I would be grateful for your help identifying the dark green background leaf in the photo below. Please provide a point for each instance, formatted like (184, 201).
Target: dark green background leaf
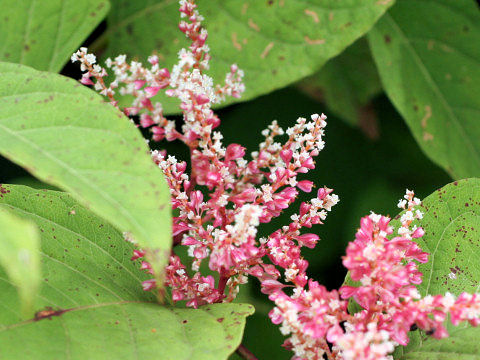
(347, 84)
(428, 56)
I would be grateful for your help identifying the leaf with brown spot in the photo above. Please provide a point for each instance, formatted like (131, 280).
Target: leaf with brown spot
(452, 237)
(431, 66)
(305, 34)
(44, 34)
(94, 296)
(85, 146)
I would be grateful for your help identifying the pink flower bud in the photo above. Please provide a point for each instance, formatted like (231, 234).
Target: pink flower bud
(196, 198)
(308, 240)
(152, 91)
(269, 286)
(153, 59)
(305, 185)
(190, 241)
(148, 285)
(418, 233)
(139, 84)
(201, 99)
(85, 80)
(308, 163)
(177, 295)
(137, 254)
(276, 318)
(164, 73)
(234, 151)
(158, 133)
(305, 208)
(179, 227)
(286, 156)
(146, 120)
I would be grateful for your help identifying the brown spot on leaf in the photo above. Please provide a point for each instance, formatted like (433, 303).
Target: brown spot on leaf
(244, 8)
(235, 42)
(313, 15)
(253, 25)
(267, 49)
(313, 41)
(428, 115)
(48, 313)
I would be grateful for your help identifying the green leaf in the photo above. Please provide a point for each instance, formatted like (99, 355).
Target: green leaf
(19, 255)
(347, 83)
(428, 57)
(65, 135)
(452, 237)
(275, 42)
(44, 34)
(91, 304)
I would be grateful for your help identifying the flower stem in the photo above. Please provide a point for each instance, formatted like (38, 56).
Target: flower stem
(245, 353)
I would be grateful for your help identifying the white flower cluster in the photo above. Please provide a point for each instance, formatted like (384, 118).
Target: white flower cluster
(374, 344)
(408, 203)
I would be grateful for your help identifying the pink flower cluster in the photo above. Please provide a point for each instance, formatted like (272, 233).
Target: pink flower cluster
(221, 202)
(384, 270)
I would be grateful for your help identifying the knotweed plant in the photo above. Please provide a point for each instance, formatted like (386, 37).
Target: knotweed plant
(221, 195)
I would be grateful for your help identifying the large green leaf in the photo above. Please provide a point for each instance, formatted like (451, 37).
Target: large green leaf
(276, 42)
(452, 237)
(347, 83)
(428, 56)
(19, 255)
(66, 135)
(44, 34)
(91, 304)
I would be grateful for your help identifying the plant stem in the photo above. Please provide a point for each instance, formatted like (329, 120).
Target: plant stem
(245, 353)
(222, 283)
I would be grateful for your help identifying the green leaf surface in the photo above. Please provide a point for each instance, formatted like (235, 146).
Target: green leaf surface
(44, 34)
(65, 135)
(428, 57)
(276, 42)
(91, 304)
(452, 237)
(347, 83)
(19, 255)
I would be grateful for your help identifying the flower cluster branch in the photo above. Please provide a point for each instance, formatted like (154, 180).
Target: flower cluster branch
(220, 203)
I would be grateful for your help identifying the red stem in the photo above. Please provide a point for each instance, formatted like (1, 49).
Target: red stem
(245, 353)
(222, 283)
